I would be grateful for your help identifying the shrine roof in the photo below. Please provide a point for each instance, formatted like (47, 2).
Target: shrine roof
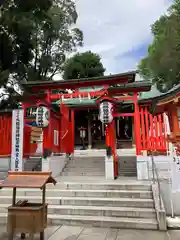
(156, 95)
(83, 82)
(27, 180)
(138, 86)
(153, 93)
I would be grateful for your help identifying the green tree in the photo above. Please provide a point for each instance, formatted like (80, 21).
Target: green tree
(35, 37)
(162, 63)
(83, 65)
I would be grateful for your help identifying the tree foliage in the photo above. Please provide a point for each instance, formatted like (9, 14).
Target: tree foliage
(83, 65)
(35, 37)
(162, 63)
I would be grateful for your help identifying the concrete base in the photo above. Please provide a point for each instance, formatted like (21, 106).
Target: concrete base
(173, 222)
(46, 164)
(144, 167)
(109, 168)
(57, 164)
(163, 164)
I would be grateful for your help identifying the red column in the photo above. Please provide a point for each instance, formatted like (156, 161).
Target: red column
(47, 136)
(111, 142)
(137, 125)
(47, 132)
(66, 129)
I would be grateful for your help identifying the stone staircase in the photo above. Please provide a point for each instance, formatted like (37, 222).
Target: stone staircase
(85, 166)
(33, 164)
(112, 204)
(127, 166)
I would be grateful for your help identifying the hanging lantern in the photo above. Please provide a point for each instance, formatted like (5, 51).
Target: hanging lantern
(82, 132)
(105, 112)
(42, 116)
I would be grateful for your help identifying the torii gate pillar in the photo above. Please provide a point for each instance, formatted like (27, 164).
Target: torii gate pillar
(111, 163)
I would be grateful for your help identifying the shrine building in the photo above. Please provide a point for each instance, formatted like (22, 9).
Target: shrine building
(109, 112)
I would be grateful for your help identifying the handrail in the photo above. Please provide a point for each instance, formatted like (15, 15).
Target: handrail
(155, 178)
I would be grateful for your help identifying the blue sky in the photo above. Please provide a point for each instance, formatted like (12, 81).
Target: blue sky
(118, 30)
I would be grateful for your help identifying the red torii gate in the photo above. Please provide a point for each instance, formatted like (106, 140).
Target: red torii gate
(62, 119)
(66, 123)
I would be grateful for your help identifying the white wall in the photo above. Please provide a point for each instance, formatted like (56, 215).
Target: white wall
(144, 172)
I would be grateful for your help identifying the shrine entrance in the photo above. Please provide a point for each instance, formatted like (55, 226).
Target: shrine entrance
(95, 130)
(124, 132)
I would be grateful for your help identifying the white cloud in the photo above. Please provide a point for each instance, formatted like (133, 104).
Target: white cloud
(114, 27)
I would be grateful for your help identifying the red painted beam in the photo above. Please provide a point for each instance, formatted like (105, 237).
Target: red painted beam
(123, 114)
(77, 95)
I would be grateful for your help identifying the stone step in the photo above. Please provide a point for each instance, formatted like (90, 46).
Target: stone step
(97, 221)
(83, 169)
(127, 166)
(134, 173)
(91, 157)
(89, 201)
(102, 221)
(87, 160)
(98, 185)
(103, 211)
(85, 164)
(128, 174)
(76, 173)
(128, 170)
(99, 161)
(107, 211)
(80, 193)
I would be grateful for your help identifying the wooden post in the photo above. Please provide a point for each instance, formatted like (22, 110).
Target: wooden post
(14, 197)
(44, 208)
(137, 124)
(133, 133)
(89, 131)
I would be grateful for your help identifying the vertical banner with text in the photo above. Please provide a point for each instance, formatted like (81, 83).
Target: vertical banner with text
(17, 140)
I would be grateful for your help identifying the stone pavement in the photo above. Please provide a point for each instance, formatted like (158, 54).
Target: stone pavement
(85, 233)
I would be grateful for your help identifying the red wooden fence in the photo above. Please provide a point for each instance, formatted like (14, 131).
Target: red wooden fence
(5, 133)
(6, 136)
(153, 134)
(153, 131)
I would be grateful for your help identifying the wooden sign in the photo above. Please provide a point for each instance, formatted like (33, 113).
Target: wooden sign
(17, 140)
(36, 134)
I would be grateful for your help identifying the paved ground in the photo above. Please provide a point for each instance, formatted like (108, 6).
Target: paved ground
(81, 233)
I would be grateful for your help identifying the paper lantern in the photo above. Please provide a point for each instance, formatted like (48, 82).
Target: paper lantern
(42, 116)
(105, 112)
